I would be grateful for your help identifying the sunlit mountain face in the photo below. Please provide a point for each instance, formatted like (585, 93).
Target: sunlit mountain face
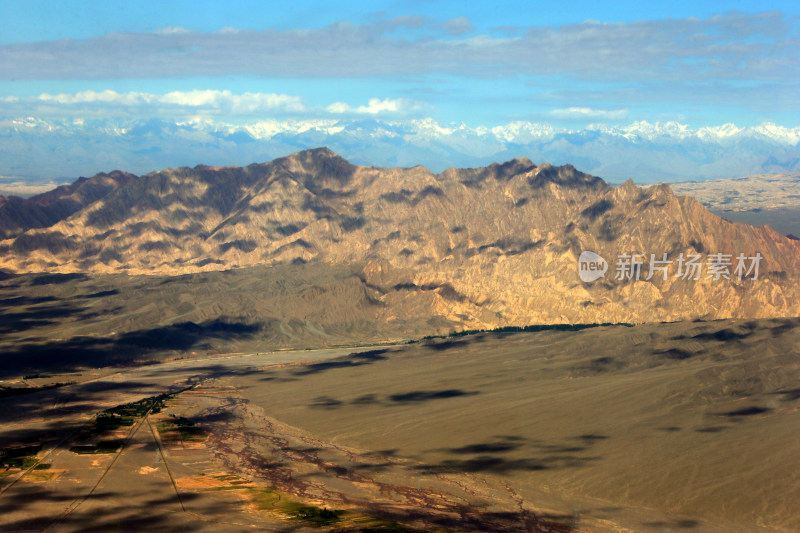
(490, 246)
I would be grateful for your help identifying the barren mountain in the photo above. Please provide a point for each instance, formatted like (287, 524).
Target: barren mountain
(482, 247)
(43, 210)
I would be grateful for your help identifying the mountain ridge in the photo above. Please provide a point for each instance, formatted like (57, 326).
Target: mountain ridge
(495, 246)
(18, 215)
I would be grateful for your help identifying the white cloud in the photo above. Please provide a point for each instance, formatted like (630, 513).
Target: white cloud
(210, 101)
(457, 26)
(722, 63)
(91, 97)
(237, 104)
(339, 107)
(670, 51)
(405, 21)
(171, 30)
(196, 104)
(375, 106)
(588, 113)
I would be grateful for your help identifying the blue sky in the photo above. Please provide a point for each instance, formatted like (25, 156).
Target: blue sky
(701, 63)
(36, 20)
(82, 77)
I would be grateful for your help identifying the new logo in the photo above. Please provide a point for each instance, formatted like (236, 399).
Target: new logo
(591, 267)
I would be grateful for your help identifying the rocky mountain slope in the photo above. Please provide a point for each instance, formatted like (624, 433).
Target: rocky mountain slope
(485, 247)
(18, 215)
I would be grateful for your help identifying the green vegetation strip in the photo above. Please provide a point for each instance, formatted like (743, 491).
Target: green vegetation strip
(530, 328)
(124, 415)
(269, 499)
(188, 430)
(104, 446)
(20, 457)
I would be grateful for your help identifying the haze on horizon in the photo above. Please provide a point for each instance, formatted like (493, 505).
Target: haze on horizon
(686, 91)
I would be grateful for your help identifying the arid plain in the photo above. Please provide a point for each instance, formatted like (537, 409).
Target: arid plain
(615, 428)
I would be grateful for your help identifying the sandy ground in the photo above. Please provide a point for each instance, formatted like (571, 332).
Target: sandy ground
(652, 428)
(663, 427)
(147, 484)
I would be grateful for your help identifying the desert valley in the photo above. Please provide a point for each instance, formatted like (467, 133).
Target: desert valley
(306, 344)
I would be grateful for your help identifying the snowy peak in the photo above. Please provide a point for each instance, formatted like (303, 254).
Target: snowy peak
(645, 151)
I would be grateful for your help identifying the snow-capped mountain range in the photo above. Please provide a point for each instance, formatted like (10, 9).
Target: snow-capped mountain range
(37, 149)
